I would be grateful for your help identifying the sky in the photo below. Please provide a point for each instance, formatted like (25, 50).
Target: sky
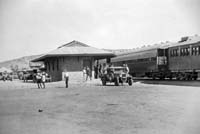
(31, 27)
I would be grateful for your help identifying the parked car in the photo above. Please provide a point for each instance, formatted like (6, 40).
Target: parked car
(116, 75)
(6, 76)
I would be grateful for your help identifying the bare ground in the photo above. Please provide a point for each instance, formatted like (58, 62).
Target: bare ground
(89, 108)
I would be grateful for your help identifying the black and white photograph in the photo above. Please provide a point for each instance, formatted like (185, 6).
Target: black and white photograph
(99, 66)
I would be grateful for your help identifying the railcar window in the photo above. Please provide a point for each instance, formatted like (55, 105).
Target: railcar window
(196, 50)
(174, 52)
(185, 51)
(181, 51)
(193, 50)
(153, 58)
(188, 51)
(143, 60)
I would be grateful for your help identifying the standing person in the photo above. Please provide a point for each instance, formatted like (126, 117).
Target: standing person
(43, 80)
(100, 70)
(126, 68)
(84, 74)
(88, 73)
(39, 79)
(96, 72)
(66, 76)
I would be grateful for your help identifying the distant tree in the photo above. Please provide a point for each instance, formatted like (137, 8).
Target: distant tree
(14, 68)
(11, 67)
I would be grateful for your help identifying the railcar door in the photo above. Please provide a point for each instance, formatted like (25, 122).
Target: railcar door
(162, 59)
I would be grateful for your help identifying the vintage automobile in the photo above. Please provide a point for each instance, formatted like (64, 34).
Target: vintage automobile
(117, 75)
(6, 76)
(29, 75)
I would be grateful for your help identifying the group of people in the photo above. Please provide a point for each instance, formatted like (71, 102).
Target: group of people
(41, 79)
(99, 69)
(87, 74)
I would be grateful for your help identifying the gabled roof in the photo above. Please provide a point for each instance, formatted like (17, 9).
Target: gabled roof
(74, 43)
(76, 48)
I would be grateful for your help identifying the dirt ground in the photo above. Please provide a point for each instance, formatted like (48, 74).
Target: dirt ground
(89, 108)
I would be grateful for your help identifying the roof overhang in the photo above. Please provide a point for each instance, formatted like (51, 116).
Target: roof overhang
(96, 56)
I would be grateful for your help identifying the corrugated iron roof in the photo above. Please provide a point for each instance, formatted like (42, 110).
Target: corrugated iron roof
(75, 48)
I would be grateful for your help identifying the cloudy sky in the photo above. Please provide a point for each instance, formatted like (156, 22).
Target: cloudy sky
(29, 27)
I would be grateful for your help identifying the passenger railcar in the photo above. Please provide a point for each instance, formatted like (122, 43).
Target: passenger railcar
(169, 60)
(150, 61)
(184, 58)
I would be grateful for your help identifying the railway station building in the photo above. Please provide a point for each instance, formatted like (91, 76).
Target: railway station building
(73, 57)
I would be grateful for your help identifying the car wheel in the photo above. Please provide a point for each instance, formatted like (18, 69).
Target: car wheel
(130, 82)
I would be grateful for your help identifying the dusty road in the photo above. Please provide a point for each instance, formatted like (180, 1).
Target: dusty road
(89, 108)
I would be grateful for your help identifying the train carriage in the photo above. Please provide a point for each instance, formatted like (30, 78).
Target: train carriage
(179, 61)
(184, 58)
(149, 61)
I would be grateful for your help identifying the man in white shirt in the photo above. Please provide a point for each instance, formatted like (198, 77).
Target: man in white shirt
(126, 68)
(66, 76)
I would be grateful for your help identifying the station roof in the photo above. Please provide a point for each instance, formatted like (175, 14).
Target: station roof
(76, 48)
